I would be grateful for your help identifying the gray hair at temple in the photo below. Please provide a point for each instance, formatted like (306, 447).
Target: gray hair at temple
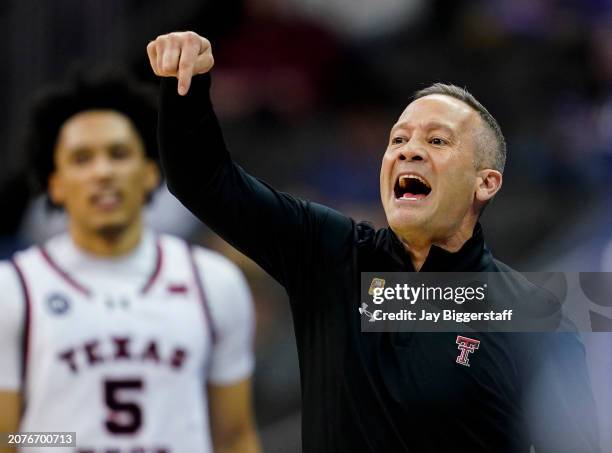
(491, 151)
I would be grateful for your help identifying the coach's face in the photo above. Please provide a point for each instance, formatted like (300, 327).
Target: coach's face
(428, 178)
(102, 175)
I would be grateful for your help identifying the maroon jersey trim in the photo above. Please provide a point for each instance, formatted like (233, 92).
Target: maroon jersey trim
(25, 349)
(62, 273)
(158, 266)
(202, 294)
(86, 291)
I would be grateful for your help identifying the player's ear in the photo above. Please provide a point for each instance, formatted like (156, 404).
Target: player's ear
(55, 189)
(488, 183)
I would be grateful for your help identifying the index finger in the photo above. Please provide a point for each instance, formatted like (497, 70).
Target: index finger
(189, 54)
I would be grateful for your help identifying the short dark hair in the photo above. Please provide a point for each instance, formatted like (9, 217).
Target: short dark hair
(86, 89)
(493, 154)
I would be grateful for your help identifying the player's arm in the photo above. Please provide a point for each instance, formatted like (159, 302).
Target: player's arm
(279, 232)
(231, 418)
(10, 402)
(11, 334)
(560, 409)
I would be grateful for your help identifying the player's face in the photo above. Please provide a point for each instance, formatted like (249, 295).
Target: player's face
(102, 176)
(428, 178)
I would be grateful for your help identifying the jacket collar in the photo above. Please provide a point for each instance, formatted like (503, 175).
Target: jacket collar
(472, 257)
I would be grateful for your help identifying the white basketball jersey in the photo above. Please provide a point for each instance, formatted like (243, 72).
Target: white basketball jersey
(122, 366)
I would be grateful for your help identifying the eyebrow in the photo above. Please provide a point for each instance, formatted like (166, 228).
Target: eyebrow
(107, 145)
(429, 126)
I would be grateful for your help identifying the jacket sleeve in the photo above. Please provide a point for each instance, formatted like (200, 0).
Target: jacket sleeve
(280, 232)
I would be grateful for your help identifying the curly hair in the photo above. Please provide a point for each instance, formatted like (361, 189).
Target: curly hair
(86, 89)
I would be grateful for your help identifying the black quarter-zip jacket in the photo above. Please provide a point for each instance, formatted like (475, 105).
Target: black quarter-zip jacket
(376, 392)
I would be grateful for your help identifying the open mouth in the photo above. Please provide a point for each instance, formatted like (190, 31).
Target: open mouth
(411, 187)
(106, 200)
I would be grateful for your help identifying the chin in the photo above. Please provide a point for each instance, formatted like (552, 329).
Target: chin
(112, 222)
(405, 221)
(111, 230)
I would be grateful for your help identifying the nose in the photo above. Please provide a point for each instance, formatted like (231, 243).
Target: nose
(103, 167)
(412, 152)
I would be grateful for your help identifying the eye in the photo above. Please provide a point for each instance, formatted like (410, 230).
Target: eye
(119, 151)
(398, 140)
(438, 141)
(80, 156)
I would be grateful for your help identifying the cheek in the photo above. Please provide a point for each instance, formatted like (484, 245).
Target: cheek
(75, 200)
(74, 188)
(137, 185)
(461, 188)
(385, 171)
(457, 181)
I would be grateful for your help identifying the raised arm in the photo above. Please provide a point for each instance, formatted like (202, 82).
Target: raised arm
(280, 232)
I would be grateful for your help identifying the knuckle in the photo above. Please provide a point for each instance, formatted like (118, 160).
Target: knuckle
(167, 66)
(194, 48)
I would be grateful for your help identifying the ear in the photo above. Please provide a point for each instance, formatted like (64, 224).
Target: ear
(488, 183)
(152, 176)
(55, 189)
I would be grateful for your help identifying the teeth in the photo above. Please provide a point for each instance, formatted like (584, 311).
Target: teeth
(403, 181)
(106, 198)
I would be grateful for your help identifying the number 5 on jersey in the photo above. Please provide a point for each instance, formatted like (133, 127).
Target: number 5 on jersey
(124, 417)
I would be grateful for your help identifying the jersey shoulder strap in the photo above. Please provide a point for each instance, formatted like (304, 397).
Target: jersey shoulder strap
(180, 258)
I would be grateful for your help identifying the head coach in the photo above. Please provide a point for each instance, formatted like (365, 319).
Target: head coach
(382, 392)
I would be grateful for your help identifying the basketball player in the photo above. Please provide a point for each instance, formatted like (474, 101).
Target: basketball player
(135, 341)
(384, 391)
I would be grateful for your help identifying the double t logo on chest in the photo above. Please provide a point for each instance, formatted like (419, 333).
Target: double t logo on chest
(466, 346)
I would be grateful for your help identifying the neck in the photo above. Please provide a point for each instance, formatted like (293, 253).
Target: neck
(418, 245)
(108, 242)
